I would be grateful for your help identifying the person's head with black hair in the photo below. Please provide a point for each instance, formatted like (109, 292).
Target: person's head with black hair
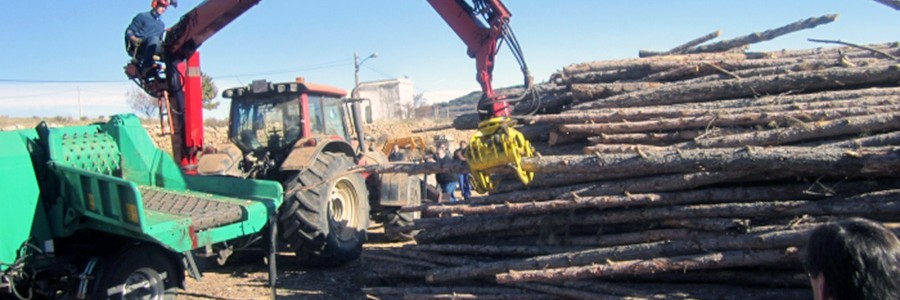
(853, 259)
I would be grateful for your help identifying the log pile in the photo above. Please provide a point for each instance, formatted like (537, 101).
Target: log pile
(671, 176)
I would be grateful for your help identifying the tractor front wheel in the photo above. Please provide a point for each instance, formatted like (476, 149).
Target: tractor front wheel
(326, 211)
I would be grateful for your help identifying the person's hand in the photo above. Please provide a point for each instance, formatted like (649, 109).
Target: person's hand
(136, 40)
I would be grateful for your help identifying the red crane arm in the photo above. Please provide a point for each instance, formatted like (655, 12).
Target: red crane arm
(481, 28)
(183, 72)
(201, 23)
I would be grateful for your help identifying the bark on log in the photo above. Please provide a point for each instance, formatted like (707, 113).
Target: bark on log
(660, 183)
(652, 138)
(493, 250)
(735, 88)
(865, 94)
(700, 243)
(714, 195)
(586, 92)
(662, 63)
(727, 119)
(431, 258)
(882, 161)
(732, 276)
(652, 62)
(819, 52)
(875, 203)
(803, 132)
(876, 51)
(687, 110)
(820, 131)
(683, 47)
(764, 36)
(399, 260)
(878, 140)
(608, 76)
(710, 224)
(719, 260)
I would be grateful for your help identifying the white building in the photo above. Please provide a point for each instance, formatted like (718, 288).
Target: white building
(388, 99)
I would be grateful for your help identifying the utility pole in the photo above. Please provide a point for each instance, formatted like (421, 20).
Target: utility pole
(356, 64)
(80, 107)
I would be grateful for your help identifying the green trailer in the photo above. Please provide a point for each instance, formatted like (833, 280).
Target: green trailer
(99, 212)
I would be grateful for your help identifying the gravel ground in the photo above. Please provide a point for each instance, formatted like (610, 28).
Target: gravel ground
(248, 280)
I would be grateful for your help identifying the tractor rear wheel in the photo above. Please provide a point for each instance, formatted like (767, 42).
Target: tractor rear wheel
(325, 214)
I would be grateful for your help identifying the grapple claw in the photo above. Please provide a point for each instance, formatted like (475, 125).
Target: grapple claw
(496, 144)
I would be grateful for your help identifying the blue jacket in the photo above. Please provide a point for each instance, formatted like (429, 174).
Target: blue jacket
(146, 24)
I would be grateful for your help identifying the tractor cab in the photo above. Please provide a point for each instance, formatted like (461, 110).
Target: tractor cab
(267, 117)
(267, 120)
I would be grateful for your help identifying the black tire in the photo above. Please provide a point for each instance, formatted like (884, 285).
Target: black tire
(325, 223)
(140, 272)
(394, 219)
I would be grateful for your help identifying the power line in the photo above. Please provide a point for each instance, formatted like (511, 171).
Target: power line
(325, 65)
(8, 80)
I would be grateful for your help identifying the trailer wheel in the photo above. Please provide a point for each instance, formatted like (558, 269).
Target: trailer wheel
(137, 273)
(326, 212)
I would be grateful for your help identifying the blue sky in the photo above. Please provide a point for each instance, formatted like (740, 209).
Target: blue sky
(54, 52)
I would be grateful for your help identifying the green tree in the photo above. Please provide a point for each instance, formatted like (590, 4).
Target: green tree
(209, 92)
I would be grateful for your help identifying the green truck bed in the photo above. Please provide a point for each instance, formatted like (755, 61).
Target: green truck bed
(111, 178)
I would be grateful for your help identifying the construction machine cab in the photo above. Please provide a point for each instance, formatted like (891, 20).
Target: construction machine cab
(273, 117)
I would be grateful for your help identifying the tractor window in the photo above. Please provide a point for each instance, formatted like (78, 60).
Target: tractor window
(334, 118)
(271, 123)
(326, 115)
(317, 124)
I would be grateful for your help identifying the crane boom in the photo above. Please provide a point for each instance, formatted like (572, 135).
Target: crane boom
(482, 26)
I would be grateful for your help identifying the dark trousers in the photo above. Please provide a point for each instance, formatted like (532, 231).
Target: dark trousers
(465, 186)
(149, 46)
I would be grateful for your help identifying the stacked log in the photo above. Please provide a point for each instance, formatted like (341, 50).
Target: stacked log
(672, 176)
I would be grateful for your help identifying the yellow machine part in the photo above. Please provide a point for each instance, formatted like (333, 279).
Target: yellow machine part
(497, 144)
(415, 146)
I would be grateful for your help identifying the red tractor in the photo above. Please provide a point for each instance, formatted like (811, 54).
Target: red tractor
(301, 134)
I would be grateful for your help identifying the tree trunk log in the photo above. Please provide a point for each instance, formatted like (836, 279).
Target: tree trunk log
(685, 110)
(883, 161)
(652, 63)
(680, 49)
(719, 260)
(696, 244)
(876, 203)
(764, 36)
(735, 88)
(725, 119)
(494, 250)
(715, 195)
(802, 132)
(587, 92)
(878, 140)
(769, 100)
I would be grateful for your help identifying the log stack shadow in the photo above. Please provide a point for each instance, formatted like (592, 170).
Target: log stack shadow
(671, 176)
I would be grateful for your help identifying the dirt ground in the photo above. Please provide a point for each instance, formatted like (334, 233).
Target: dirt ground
(249, 280)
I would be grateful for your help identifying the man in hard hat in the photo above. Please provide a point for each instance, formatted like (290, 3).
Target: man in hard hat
(145, 34)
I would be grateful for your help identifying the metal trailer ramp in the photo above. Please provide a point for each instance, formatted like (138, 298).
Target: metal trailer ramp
(204, 212)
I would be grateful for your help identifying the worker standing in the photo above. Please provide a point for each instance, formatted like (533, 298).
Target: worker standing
(396, 154)
(447, 180)
(145, 34)
(465, 187)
